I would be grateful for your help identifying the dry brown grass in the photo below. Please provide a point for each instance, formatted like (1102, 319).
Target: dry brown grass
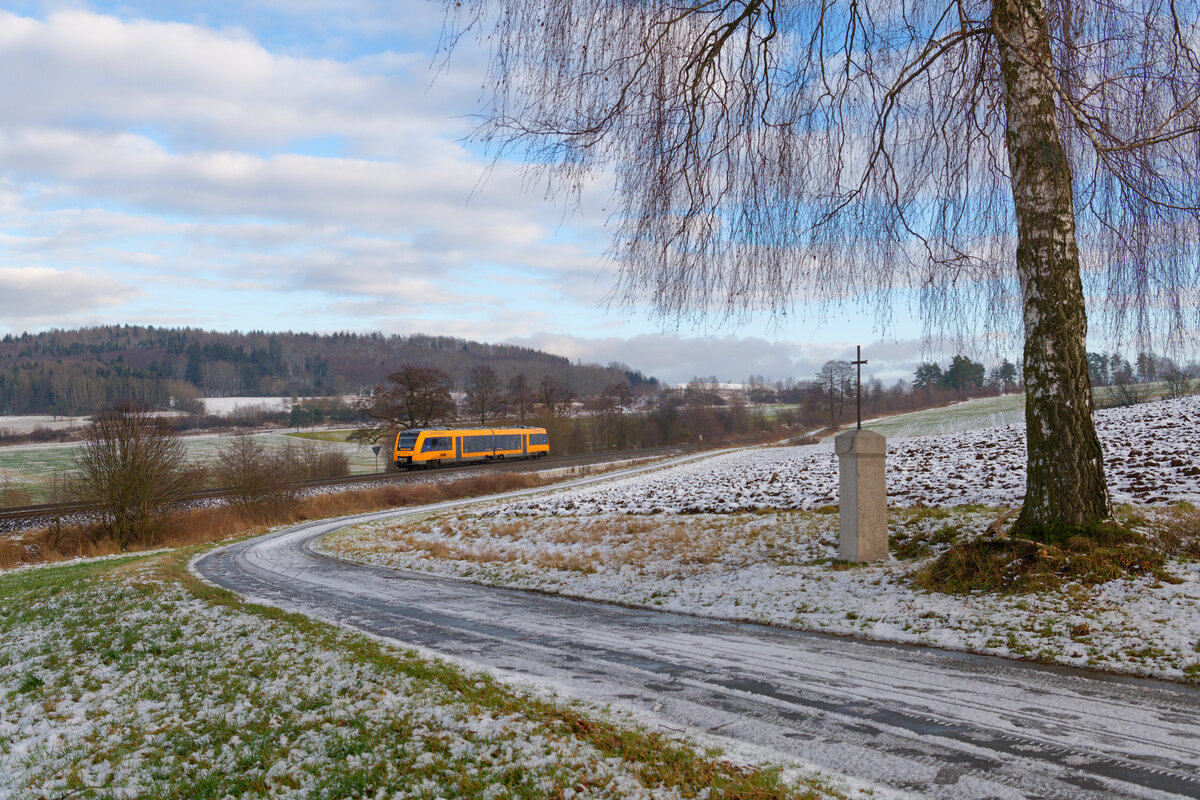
(680, 546)
(451, 552)
(1177, 530)
(13, 495)
(1142, 542)
(213, 524)
(562, 561)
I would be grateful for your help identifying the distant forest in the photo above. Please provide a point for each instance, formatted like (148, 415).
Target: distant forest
(76, 372)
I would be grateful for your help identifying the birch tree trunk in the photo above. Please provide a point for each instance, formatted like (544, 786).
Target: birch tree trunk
(1065, 478)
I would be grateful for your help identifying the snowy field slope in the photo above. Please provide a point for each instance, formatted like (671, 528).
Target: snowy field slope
(1151, 454)
(983, 412)
(123, 683)
(227, 406)
(730, 537)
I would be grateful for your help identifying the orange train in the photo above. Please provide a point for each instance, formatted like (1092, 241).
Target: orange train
(432, 448)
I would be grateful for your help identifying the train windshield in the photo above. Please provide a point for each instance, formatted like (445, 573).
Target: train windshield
(407, 440)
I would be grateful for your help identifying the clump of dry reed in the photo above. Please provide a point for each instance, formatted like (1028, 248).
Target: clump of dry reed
(198, 526)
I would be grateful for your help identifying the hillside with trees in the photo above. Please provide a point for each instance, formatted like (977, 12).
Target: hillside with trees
(75, 372)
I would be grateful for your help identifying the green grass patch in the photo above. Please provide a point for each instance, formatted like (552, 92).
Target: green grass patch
(185, 690)
(984, 412)
(922, 532)
(324, 436)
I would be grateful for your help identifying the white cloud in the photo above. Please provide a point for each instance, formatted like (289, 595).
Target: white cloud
(426, 200)
(40, 296)
(237, 181)
(206, 88)
(676, 359)
(188, 155)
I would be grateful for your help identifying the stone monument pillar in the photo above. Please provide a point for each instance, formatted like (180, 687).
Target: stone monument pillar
(862, 534)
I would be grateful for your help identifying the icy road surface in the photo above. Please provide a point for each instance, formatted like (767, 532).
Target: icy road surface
(933, 723)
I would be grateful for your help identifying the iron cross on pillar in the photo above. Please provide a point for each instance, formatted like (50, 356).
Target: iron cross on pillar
(859, 364)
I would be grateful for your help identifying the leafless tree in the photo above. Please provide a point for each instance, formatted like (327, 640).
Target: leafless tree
(484, 395)
(133, 464)
(554, 398)
(1177, 382)
(246, 469)
(261, 478)
(1125, 390)
(769, 150)
(835, 385)
(411, 397)
(519, 397)
(612, 428)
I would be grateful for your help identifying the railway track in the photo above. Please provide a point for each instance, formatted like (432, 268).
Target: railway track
(15, 518)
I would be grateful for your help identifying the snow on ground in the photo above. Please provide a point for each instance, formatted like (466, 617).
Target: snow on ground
(981, 412)
(778, 568)
(225, 406)
(131, 686)
(27, 423)
(1150, 452)
(729, 537)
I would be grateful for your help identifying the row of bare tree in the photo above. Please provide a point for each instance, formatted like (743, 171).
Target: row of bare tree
(418, 396)
(135, 465)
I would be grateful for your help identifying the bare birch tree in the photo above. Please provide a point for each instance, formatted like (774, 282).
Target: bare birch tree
(768, 151)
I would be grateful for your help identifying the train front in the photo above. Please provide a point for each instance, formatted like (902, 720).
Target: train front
(406, 448)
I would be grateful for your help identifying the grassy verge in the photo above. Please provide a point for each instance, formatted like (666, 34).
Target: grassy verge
(130, 678)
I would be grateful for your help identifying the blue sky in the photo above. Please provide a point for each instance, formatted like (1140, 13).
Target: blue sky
(297, 166)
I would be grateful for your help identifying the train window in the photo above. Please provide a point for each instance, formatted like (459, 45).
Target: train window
(407, 439)
(477, 444)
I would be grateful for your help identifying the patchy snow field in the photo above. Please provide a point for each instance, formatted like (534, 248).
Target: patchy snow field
(735, 536)
(228, 406)
(122, 683)
(1152, 455)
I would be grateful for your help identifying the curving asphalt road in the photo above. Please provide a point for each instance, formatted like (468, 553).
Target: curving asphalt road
(933, 723)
